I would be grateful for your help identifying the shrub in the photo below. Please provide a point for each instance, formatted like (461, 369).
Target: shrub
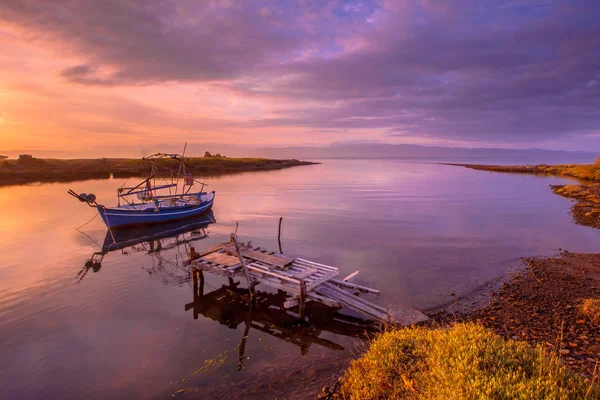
(462, 362)
(590, 308)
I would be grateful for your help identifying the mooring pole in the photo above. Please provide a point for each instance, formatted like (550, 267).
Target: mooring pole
(279, 235)
(242, 353)
(302, 299)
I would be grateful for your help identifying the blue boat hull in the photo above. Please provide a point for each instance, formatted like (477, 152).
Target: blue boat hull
(115, 218)
(120, 238)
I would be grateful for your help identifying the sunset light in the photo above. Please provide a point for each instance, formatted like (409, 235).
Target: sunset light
(300, 199)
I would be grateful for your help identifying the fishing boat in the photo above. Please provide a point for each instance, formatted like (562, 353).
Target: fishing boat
(169, 193)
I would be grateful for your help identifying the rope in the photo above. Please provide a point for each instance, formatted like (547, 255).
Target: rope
(85, 234)
(93, 218)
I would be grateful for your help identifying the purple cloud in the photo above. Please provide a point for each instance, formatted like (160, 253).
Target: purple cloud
(520, 71)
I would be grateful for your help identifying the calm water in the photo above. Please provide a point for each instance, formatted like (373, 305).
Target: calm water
(419, 232)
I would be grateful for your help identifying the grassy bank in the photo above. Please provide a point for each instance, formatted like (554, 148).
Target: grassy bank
(55, 170)
(538, 338)
(584, 172)
(464, 361)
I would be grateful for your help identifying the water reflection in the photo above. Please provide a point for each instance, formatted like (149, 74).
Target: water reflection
(153, 240)
(230, 305)
(417, 232)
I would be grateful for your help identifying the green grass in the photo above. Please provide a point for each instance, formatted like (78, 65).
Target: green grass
(462, 362)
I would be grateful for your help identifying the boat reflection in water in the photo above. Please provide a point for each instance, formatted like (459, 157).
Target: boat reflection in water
(153, 240)
(230, 305)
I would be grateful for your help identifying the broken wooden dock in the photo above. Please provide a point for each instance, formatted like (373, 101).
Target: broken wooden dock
(301, 280)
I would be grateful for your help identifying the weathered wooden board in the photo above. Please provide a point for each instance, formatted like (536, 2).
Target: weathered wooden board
(222, 258)
(279, 261)
(305, 274)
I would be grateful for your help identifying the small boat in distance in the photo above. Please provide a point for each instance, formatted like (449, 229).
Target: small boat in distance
(167, 194)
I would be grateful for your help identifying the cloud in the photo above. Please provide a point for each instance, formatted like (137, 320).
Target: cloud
(516, 71)
(85, 74)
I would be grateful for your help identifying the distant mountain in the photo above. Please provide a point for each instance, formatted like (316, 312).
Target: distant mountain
(409, 152)
(422, 153)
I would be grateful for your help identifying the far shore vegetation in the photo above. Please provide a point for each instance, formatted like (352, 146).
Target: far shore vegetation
(584, 172)
(29, 169)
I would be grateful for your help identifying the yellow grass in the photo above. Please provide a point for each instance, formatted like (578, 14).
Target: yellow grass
(590, 308)
(462, 362)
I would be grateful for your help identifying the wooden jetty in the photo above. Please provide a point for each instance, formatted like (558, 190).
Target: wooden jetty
(301, 280)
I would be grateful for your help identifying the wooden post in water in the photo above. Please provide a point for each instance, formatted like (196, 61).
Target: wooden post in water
(242, 353)
(302, 299)
(201, 278)
(195, 280)
(243, 263)
(279, 235)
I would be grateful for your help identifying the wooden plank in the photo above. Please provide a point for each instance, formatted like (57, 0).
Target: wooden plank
(320, 281)
(284, 272)
(400, 315)
(304, 274)
(290, 302)
(352, 303)
(348, 285)
(222, 258)
(274, 283)
(340, 293)
(325, 300)
(317, 264)
(350, 277)
(358, 299)
(321, 269)
(251, 267)
(276, 261)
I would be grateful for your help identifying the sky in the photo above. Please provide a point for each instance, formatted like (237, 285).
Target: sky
(119, 76)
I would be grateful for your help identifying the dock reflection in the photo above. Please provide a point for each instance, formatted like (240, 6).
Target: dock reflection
(230, 306)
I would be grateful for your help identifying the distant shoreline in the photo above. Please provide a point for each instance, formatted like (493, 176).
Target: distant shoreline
(34, 170)
(583, 172)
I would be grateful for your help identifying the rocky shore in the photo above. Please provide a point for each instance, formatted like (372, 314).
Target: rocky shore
(586, 210)
(542, 305)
